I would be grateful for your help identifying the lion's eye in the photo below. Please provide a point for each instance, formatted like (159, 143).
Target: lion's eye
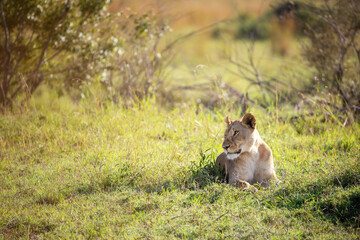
(235, 132)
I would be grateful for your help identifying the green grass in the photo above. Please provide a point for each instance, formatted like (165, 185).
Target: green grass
(145, 172)
(209, 62)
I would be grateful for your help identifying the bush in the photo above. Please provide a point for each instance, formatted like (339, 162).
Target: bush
(332, 28)
(75, 44)
(246, 26)
(251, 27)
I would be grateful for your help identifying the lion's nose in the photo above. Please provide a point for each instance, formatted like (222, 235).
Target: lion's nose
(226, 147)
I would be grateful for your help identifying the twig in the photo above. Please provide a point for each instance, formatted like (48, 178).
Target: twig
(221, 216)
(187, 215)
(170, 45)
(136, 175)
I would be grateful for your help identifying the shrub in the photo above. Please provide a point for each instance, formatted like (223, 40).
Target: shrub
(251, 27)
(75, 44)
(245, 26)
(332, 28)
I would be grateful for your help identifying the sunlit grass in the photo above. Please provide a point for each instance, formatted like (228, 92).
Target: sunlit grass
(78, 171)
(209, 62)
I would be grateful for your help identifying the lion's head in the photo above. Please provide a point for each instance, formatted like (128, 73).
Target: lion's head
(239, 135)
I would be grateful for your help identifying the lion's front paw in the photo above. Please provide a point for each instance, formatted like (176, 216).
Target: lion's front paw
(244, 185)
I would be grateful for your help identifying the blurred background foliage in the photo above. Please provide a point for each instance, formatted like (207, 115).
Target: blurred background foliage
(295, 55)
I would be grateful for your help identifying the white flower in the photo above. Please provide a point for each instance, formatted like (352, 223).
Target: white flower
(103, 75)
(40, 8)
(120, 51)
(201, 66)
(114, 39)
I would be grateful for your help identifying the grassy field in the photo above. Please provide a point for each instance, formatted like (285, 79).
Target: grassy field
(209, 62)
(79, 171)
(88, 168)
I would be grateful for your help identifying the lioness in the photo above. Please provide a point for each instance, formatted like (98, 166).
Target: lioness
(247, 158)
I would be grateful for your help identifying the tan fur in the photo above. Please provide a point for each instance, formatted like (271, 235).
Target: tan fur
(254, 163)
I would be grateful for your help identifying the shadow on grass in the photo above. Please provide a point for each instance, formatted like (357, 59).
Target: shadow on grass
(18, 228)
(199, 175)
(336, 198)
(108, 181)
(205, 172)
(102, 181)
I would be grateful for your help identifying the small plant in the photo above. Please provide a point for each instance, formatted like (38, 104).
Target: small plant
(309, 126)
(206, 171)
(124, 175)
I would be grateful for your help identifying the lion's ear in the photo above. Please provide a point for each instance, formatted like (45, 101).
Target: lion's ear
(228, 120)
(249, 120)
